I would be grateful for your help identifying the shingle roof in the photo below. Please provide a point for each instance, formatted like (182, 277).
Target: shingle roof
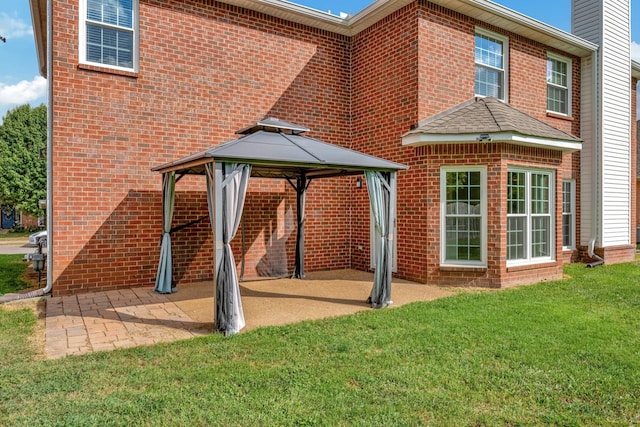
(489, 115)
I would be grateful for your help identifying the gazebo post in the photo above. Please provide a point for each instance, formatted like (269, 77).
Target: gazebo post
(301, 190)
(217, 234)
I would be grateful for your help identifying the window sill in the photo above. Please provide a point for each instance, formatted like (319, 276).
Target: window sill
(560, 116)
(108, 70)
(525, 267)
(463, 268)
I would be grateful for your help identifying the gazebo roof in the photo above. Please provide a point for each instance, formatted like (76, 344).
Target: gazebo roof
(275, 149)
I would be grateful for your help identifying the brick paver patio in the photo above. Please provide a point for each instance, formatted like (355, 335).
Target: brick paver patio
(108, 320)
(115, 319)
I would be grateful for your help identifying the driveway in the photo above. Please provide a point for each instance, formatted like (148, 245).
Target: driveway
(15, 246)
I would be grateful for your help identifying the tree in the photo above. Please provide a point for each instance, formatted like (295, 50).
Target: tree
(23, 167)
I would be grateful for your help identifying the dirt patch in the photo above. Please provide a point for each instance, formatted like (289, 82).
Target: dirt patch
(282, 301)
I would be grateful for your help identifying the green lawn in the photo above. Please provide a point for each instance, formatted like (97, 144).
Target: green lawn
(557, 353)
(15, 234)
(11, 270)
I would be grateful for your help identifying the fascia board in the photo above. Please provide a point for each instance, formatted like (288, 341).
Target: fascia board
(418, 139)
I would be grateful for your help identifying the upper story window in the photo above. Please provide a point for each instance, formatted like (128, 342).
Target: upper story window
(558, 84)
(108, 33)
(463, 230)
(491, 64)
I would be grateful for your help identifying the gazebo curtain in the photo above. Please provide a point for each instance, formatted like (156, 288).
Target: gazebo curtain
(380, 194)
(164, 274)
(233, 188)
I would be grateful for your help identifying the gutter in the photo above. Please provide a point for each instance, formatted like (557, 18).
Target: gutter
(47, 289)
(50, 242)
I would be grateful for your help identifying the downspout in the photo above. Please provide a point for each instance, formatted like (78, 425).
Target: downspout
(596, 164)
(49, 54)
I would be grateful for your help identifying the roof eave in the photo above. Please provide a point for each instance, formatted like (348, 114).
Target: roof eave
(195, 159)
(482, 10)
(635, 69)
(521, 24)
(306, 165)
(416, 139)
(39, 23)
(296, 13)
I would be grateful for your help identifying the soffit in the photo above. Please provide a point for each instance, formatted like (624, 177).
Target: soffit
(635, 69)
(39, 23)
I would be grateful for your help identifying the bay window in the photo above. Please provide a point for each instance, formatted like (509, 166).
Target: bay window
(463, 216)
(530, 216)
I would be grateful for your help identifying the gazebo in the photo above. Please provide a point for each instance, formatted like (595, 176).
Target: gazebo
(274, 149)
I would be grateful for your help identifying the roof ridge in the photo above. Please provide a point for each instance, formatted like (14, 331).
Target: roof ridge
(495, 120)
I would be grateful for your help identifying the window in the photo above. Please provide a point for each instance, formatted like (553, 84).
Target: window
(463, 215)
(568, 214)
(558, 81)
(491, 60)
(108, 33)
(530, 236)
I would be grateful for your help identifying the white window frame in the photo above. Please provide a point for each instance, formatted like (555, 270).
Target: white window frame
(443, 217)
(568, 62)
(505, 61)
(571, 214)
(529, 259)
(82, 39)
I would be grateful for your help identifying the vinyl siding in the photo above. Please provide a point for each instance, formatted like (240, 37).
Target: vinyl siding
(606, 23)
(616, 128)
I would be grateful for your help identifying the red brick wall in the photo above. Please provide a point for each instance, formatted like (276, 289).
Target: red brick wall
(498, 157)
(206, 70)
(428, 49)
(29, 221)
(217, 68)
(384, 105)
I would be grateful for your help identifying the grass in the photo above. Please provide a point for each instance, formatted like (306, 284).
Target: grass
(556, 353)
(12, 270)
(15, 234)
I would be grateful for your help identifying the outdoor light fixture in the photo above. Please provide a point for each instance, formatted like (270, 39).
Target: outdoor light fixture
(358, 182)
(484, 137)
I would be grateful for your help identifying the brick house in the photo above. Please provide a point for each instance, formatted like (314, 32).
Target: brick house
(518, 135)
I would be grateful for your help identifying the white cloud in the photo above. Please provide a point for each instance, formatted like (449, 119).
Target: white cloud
(23, 92)
(635, 51)
(12, 27)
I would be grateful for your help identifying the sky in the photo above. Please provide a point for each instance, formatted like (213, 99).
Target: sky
(21, 83)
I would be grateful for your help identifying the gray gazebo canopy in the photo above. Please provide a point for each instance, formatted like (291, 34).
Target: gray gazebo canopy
(274, 149)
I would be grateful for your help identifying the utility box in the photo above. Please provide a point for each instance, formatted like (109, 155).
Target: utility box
(38, 261)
